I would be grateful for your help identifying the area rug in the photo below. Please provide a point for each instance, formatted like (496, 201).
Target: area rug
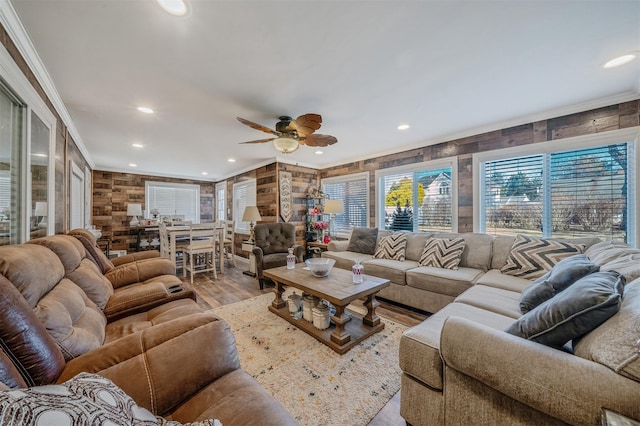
(316, 385)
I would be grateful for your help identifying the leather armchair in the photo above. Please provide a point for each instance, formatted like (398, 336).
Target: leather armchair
(272, 244)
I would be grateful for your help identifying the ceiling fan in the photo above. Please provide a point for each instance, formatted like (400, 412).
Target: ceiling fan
(289, 133)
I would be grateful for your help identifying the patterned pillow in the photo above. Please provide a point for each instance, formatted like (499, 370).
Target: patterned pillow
(532, 257)
(442, 253)
(392, 247)
(85, 399)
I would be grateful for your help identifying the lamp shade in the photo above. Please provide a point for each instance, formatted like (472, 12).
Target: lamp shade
(251, 214)
(286, 145)
(334, 207)
(134, 209)
(42, 208)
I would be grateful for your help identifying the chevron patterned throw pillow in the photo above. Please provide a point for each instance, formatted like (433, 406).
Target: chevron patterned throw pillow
(392, 247)
(532, 257)
(442, 253)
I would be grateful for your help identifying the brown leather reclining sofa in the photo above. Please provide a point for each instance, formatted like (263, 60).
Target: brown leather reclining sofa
(62, 314)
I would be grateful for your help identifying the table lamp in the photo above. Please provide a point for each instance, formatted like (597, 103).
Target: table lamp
(251, 215)
(333, 207)
(42, 210)
(134, 210)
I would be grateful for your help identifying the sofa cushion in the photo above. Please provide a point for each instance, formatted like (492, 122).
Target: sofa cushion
(72, 319)
(615, 342)
(363, 240)
(415, 244)
(616, 256)
(500, 250)
(84, 399)
(346, 259)
(88, 240)
(494, 278)
(561, 276)
(532, 257)
(420, 345)
(477, 250)
(498, 300)
(392, 247)
(442, 253)
(450, 282)
(574, 312)
(392, 270)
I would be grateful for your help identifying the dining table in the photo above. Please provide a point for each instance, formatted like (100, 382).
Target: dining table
(175, 232)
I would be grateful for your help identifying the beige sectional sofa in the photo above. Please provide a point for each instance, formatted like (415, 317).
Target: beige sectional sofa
(461, 367)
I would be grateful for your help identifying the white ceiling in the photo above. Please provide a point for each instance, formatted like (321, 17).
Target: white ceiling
(447, 68)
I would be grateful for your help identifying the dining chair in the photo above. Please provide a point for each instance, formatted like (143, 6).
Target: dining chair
(200, 253)
(165, 247)
(229, 239)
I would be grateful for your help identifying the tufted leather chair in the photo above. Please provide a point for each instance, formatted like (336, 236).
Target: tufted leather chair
(273, 241)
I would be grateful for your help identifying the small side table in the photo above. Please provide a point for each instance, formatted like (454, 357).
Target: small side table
(248, 247)
(314, 247)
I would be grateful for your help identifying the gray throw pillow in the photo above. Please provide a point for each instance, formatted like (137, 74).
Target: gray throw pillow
(363, 240)
(574, 312)
(561, 276)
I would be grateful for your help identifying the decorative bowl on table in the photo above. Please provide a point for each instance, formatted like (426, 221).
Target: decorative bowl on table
(319, 266)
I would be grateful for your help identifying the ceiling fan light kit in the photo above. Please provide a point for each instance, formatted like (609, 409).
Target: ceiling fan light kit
(286, 145)
(290, 134)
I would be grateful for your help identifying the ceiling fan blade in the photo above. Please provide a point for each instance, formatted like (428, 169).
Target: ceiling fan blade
(257, 126)
(306, 124)
(318, 140)
(260, 140)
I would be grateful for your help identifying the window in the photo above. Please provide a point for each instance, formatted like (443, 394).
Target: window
(244, 194)
(27, 143)
(585, 189)
(173, 199)
(221, 202)
(354, 191)
(420, 197)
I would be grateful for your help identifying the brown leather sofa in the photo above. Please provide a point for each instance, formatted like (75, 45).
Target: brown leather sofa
(173, 359)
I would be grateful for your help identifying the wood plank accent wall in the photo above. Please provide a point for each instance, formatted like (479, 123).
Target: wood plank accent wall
(599, 120)
(112, 191)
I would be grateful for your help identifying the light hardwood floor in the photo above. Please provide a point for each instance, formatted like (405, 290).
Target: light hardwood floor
(233, 286)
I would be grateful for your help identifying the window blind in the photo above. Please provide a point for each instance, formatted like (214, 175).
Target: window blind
(560, 194)
(244, 194)
(221, 191)
(353, 190)
(175, 200)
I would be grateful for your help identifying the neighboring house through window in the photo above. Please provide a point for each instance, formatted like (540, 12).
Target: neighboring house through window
(419, 197)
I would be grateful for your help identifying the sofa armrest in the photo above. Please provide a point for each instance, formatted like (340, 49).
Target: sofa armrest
(164, 365)
(551, 381)
(141, 255)
(299, 252)
(338, 245)
(139, 271)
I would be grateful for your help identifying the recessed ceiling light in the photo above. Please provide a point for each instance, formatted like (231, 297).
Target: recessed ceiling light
(403, 127)
(318, 152)
(231, 160)
(146, 110)
(175, 7)
(133, 165)
(620, 60)
(137, 145)
(204, 173)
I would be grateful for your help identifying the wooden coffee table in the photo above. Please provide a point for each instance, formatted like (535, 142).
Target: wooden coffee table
(346, 331)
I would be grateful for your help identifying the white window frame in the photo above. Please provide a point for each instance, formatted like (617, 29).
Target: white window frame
(221, 204)
(183, 186)
(451, 162)
(362, 176)
(15, 79)
(631, 135)
(240, 202)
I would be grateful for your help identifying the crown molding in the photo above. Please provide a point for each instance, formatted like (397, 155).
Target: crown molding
(152, 174)
(13, 26)
(499, 125)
